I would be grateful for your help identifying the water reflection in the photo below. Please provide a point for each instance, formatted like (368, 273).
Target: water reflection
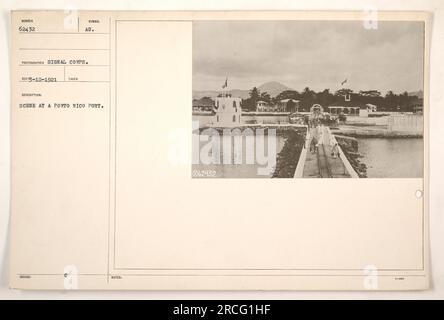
(392, 158)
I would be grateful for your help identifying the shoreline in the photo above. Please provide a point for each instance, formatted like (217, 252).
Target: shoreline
(383, 134)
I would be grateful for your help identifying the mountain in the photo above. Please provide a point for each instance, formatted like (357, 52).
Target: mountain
(419, 94)
(273, 88)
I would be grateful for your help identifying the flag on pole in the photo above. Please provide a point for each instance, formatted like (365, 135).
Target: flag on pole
(225, 84)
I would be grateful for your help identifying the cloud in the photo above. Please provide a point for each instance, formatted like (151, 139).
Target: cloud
(318, 54)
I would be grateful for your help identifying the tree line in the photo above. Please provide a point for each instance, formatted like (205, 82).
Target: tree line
(402, 102)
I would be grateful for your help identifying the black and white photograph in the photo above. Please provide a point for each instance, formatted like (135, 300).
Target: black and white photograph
(308, 99)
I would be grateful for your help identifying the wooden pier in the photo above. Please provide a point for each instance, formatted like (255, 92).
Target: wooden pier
(321, 161)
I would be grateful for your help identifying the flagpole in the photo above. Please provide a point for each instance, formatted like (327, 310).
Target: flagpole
(224, 86)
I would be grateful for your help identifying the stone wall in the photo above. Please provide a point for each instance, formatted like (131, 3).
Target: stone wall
(411, 123)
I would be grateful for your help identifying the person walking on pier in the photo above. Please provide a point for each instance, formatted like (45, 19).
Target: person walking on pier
(313, 144)
(335, 150)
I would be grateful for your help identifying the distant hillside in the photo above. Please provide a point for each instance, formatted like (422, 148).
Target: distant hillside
(419, 94)
(273, 88)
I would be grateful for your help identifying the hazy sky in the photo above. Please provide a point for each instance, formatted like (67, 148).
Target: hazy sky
(308, 53)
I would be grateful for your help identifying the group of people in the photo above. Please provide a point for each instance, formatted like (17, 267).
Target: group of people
(318, 138)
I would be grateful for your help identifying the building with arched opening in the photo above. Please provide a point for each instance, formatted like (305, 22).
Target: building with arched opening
(316, 109)
(336, 110)
(288, 105)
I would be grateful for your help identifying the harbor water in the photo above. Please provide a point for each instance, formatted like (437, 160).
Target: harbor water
(392, 158)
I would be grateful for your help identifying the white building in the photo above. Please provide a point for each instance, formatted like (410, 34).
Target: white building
(282, 105)
(262, 106)
(368, 108)
(228, 111)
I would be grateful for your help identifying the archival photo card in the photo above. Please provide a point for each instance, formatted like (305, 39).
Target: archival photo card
(124, 124)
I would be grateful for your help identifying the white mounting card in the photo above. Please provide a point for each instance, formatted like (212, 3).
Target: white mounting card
(219, 150)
